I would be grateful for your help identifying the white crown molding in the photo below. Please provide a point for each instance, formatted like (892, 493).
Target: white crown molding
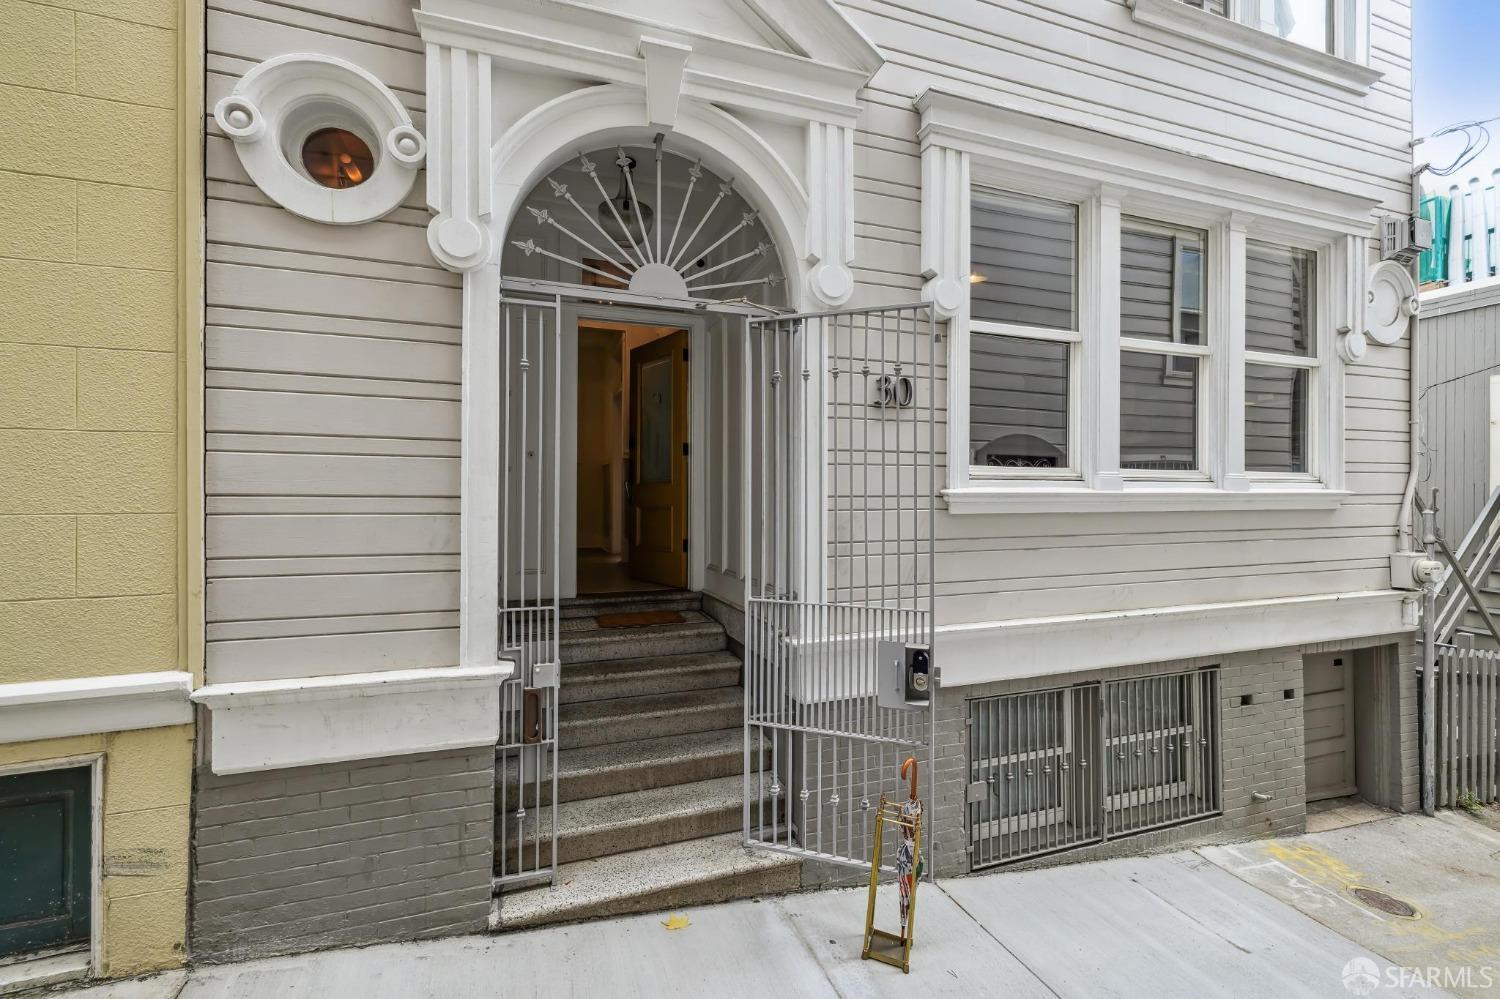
(55, 709)
(278, 103)
(991, 651)
(1008, 142)
(274, 724)
(1243, 39)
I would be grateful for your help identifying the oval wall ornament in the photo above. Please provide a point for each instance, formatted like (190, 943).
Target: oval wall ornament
(1390, 302)
(281, 116)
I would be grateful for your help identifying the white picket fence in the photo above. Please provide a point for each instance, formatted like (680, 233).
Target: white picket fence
(1468, 713)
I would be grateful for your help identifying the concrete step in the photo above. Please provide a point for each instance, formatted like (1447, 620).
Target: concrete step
(696, 872)
(639, 820)
(583, 641)
(596, 681)
(624, 603)
(596, 771)
(651, 716)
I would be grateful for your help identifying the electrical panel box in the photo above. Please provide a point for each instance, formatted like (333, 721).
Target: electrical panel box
(1404, 237)
(905, 675)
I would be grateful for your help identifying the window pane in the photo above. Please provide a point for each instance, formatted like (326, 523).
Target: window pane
(1018, 402)
(1275, 418)
(1280, 285)
(1023, 261)
(1306, 22)
(1162, 284)
(1158, 411)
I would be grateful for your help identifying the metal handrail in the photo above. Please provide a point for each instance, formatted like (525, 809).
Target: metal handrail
(1473, 562)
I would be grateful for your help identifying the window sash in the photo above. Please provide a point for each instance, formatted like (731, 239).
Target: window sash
(1070, 335)
(1262, 15)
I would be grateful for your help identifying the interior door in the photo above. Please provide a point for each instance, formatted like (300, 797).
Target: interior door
(1328, 724)
(659, 460)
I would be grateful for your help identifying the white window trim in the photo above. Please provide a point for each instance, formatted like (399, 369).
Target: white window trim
(1316, 364)
(1207, 434)
(1346, 68)
(1001, 148)
(1073, 337)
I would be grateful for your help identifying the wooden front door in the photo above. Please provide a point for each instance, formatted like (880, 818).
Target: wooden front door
(46, 832)
(659, 460)
(1328, 724)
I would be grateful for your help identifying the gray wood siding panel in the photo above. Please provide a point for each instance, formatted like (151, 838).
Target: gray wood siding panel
(332, 401)
(1460, 353)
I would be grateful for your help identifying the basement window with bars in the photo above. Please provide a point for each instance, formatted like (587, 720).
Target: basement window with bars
(1057, 769)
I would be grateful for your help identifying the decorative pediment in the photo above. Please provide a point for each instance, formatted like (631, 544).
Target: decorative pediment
(801, 58)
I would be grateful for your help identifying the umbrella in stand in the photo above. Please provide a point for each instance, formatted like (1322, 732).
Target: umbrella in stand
(907, 816)
(908, 861)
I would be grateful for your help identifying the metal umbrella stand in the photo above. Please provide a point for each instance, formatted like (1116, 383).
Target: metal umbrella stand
(906, 816)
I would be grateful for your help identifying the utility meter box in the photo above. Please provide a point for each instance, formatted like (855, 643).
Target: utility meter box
(1404, 237)
(904, 674)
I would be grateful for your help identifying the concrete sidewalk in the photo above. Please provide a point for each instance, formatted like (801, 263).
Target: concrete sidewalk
(1215, 922)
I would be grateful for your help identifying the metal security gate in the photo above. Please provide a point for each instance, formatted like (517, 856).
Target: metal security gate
(530, 577)
(1056, 769)
(840, 442)
(1467, 694)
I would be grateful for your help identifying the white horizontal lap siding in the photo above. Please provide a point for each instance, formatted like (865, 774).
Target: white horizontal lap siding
(1092, 65)
(333, 385)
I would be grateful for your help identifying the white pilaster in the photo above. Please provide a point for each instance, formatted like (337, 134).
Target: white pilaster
(458, 137)
(945, 228)
(1099, 293)
(1229, 351)
(830, 217)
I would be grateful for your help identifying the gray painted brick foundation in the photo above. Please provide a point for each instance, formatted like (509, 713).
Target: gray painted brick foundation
(1262, 749)
(341, 854)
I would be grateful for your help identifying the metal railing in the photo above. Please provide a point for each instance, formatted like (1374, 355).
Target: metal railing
(529, 567)
(1469, 569)
(1056, 769)
(1466, 705)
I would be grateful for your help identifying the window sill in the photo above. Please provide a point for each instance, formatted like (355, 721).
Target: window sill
(1220, 32)
(1066, 499)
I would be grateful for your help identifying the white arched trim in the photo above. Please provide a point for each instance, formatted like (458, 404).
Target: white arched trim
(606, 115)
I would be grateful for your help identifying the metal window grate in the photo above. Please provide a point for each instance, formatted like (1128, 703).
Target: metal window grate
(1056, 769)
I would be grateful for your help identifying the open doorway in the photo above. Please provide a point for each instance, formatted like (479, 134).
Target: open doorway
(632, 457)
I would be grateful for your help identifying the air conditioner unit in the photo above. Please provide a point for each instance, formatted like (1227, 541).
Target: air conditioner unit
(1404, 237)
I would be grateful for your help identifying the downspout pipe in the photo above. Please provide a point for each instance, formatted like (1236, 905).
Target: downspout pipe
(1404, 530)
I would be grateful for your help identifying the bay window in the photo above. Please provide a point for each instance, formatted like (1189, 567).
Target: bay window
(1023, 303)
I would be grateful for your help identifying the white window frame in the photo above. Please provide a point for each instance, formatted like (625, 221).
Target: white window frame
(1314, 364)
(1347, 67)
(1110, 176)
(1074, 338)
(1203, 405)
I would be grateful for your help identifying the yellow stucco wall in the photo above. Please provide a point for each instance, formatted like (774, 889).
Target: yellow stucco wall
(100, 119)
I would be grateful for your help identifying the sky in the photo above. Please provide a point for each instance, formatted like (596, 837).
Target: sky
(1456, 76)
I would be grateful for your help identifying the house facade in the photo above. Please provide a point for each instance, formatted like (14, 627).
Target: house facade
(632, 431)
(100, 564)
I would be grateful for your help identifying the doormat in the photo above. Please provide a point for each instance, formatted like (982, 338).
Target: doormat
(640, 619)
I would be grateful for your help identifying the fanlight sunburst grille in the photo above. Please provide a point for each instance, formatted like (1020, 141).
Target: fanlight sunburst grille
(704, 242)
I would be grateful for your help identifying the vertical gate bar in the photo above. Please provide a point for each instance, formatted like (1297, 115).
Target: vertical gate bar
(1466, 723)
(752, 623)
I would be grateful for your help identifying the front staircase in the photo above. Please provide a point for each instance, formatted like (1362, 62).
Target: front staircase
(650, 774)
